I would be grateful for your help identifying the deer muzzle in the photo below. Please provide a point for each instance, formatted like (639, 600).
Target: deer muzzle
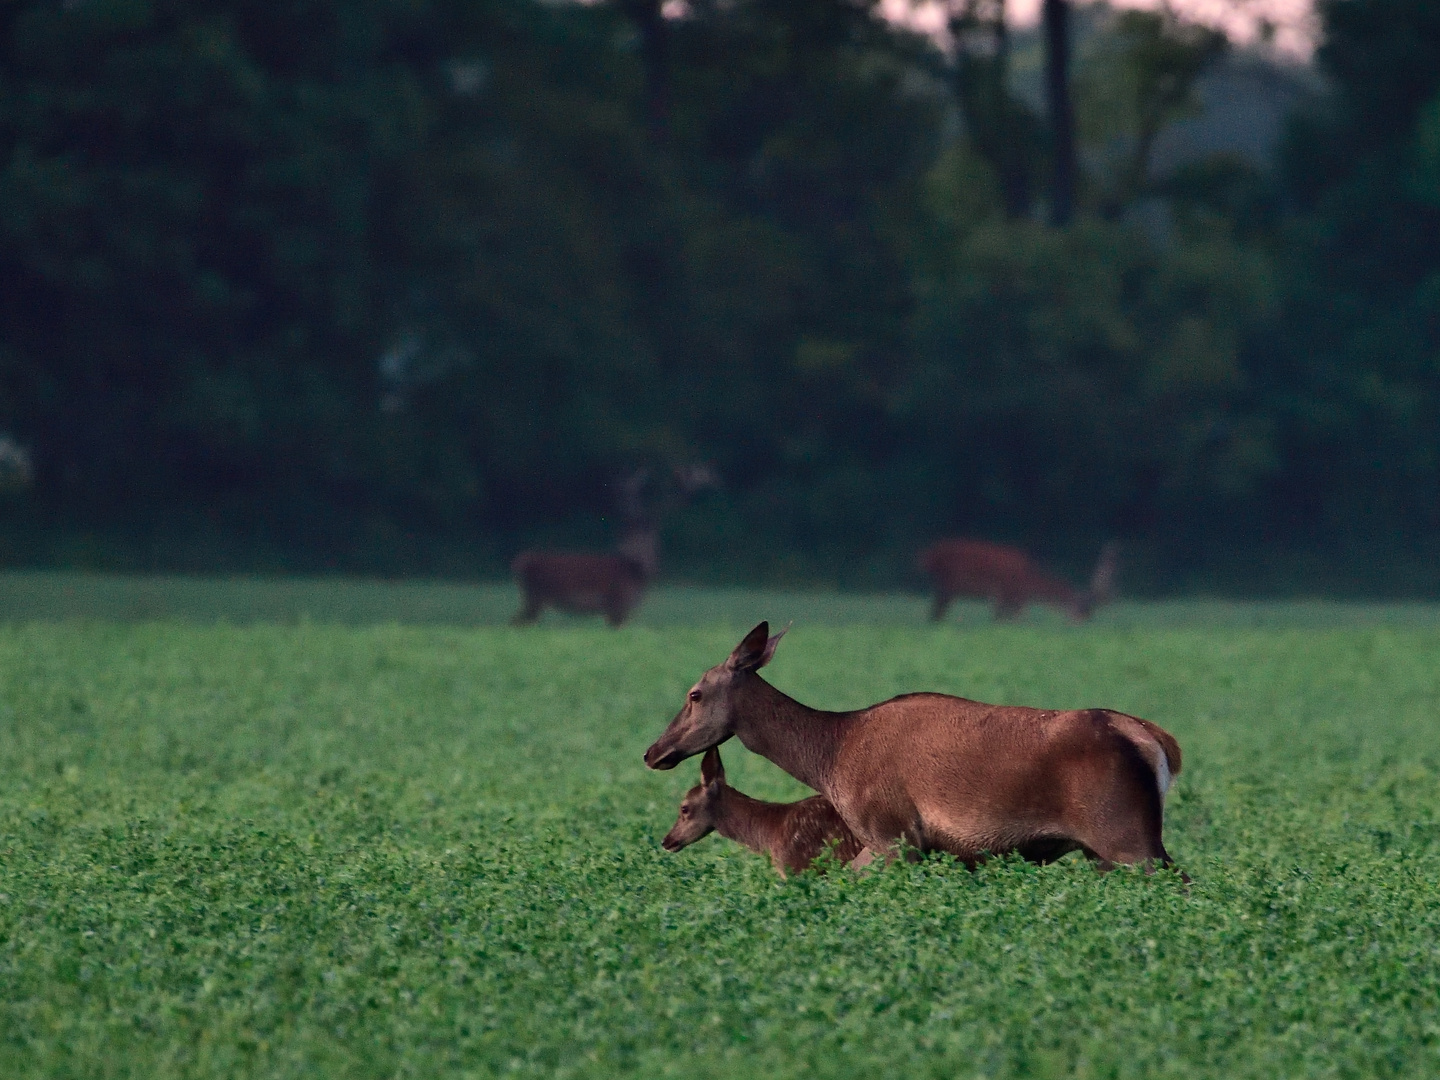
(662, 757)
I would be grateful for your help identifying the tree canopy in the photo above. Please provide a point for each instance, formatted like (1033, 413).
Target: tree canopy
(398, 285)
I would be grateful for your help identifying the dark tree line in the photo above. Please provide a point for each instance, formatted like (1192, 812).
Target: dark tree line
(403, 286)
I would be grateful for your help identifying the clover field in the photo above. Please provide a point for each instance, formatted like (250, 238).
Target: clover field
(387, 850)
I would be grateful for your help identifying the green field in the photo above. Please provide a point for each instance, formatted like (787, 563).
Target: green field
(243, 839)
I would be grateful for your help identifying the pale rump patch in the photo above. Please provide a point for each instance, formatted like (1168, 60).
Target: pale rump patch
(1163, 779)
(1148, 745)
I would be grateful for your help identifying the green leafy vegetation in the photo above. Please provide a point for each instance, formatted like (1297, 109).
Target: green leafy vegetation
(386, 850)
(392, 286)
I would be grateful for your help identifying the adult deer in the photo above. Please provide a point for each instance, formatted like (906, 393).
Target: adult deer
(611, 585)
(941, 773)
(1009, 579)
(793, 834)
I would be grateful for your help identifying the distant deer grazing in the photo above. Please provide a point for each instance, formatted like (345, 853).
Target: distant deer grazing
(1009, 579)
(941, 773)
(609, 585)
(793, 834)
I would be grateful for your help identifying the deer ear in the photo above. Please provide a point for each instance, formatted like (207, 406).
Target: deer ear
(751, 652)
(770, 645)
(711, 768)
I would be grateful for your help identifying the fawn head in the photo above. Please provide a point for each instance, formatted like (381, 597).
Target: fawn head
(709, 715)
(700, 807)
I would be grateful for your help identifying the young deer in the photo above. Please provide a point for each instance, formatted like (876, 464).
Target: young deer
(792, 834)
(1008, 578)
(942, 773)
(609, 585)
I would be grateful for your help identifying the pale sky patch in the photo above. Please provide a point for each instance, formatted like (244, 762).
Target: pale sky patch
(1295, 30)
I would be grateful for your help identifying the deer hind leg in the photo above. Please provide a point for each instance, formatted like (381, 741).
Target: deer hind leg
(1126, 840)
(941, 605)
(617, 607)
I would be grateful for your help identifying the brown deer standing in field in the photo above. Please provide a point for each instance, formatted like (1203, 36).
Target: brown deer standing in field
(792, 834)
(1008, 578)
(611, 585)
(941, 773)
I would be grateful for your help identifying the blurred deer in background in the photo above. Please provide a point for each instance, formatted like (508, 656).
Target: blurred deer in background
(1010, 580)
(793, 834)
(611, 585)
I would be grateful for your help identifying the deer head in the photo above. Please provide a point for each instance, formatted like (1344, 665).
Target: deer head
(700, 809)
(709, 715)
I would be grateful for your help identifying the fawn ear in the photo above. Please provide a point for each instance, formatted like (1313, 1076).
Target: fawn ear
(711, 769)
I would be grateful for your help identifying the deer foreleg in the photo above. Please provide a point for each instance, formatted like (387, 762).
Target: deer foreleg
(530, 609)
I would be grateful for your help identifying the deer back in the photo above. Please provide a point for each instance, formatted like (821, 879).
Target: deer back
(978, 568)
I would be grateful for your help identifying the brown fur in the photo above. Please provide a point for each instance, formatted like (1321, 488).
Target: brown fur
(793, 834)
(582, 584)
(942, 773)
(610, 585)
(1009, 579)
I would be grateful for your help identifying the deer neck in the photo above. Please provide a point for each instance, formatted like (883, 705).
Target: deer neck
(801, 740)
(748, 821)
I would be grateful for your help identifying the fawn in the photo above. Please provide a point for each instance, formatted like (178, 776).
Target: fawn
(792, 834)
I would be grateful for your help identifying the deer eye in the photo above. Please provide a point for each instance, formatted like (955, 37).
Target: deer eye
(694, 695)
(684, 811)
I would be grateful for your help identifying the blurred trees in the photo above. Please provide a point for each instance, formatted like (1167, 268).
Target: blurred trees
(1357, 352)
(359, 284)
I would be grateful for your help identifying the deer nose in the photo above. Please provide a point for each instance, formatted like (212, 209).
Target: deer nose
(669, 844)
(654, 759)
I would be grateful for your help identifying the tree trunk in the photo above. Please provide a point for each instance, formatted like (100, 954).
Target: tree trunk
(655, 59)
(1062, 111)
(1001, 129)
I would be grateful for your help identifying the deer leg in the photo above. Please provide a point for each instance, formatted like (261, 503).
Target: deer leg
(893, 839)
(617, 608)
(1128, 843)
(941, 605)
(530, 609)
(1008, 607)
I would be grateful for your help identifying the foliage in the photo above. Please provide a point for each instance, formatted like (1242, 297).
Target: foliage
(404, 286)
(1056, 358)
(1141, 78)
(1355, 364)
(308, 850)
